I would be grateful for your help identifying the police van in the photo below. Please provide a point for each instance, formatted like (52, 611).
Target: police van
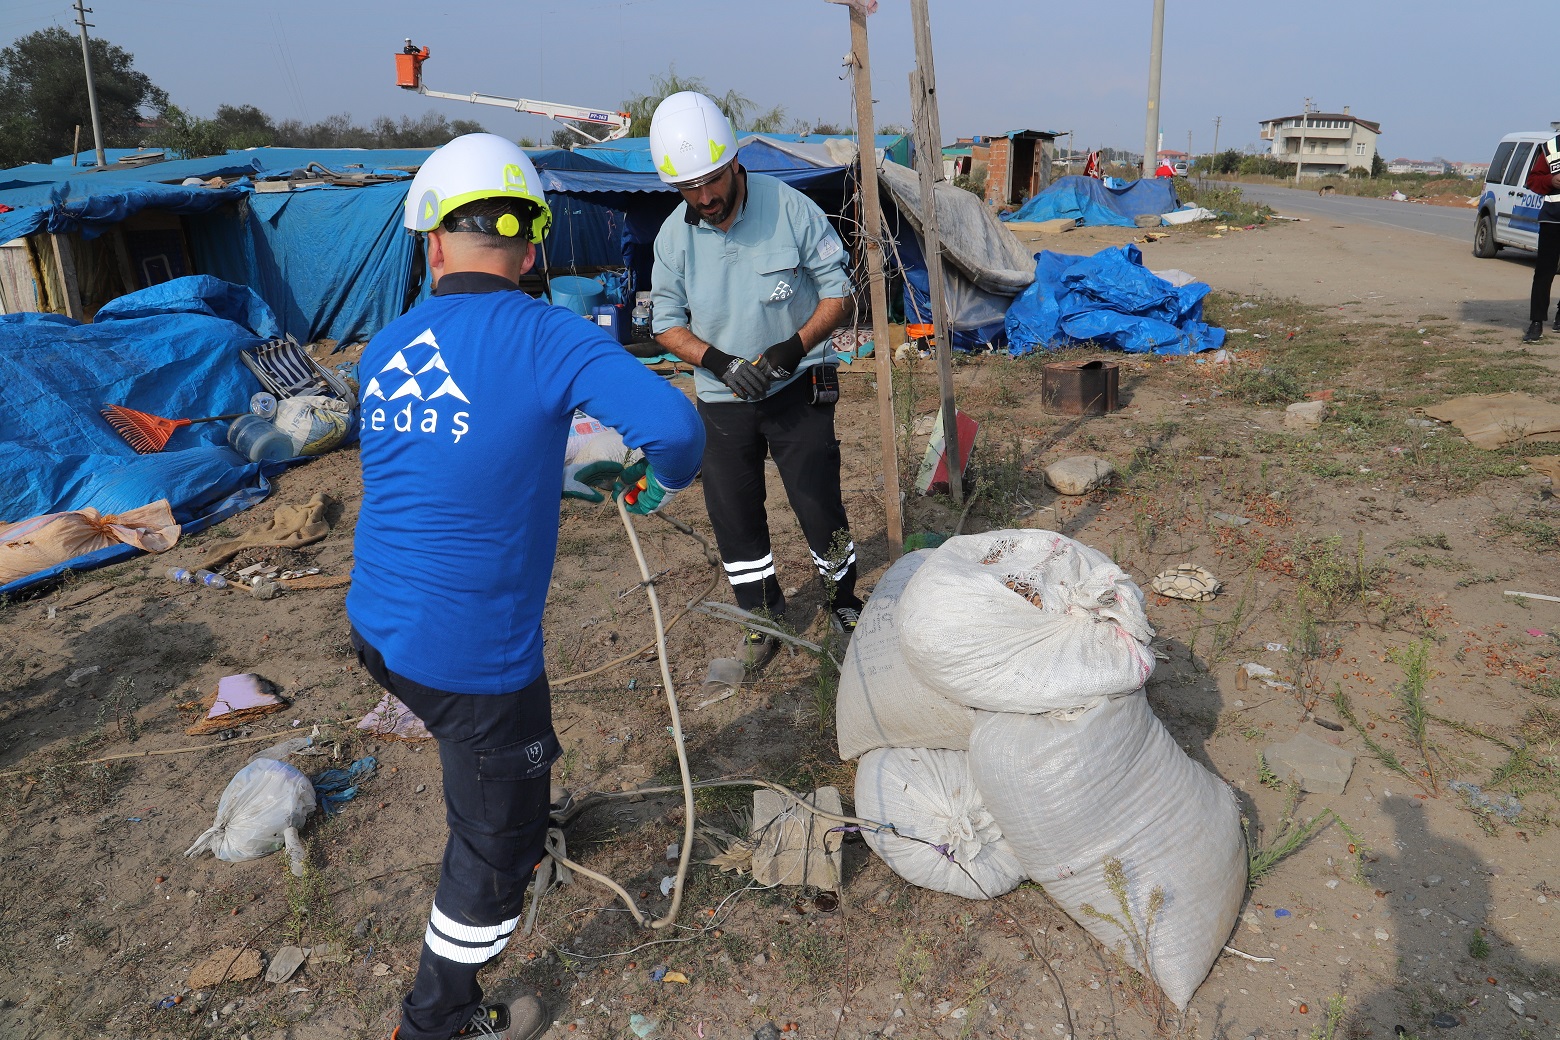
(1508, 212)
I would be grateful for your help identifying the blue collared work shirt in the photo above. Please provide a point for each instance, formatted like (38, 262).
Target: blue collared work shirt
(748, 288)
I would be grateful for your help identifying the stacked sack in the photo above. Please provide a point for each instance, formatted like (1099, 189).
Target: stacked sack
(997, 704)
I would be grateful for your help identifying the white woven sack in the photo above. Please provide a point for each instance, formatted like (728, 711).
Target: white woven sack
(1111, 783)
(881, 702)
(928, 795)
(1025, 621)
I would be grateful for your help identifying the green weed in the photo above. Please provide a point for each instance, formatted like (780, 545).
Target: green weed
(1328, 1030)
(1478, 946)
(1132, 953)
(1293, 833)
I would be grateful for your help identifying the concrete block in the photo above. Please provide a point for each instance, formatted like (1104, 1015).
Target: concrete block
(1305, 415)
(1078, 475)
(1317, 767)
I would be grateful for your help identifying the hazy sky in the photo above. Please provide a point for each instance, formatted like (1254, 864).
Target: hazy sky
(1429, 72)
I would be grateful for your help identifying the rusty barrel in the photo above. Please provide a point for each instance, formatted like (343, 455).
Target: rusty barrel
(1079, 387)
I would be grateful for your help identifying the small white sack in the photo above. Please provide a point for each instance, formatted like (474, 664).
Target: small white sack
(1111, 782)
(1024, 621)
(928, 795)
(881, 702)
(261, 810)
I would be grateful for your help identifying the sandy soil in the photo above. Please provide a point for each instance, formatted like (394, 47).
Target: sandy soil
(103, 918)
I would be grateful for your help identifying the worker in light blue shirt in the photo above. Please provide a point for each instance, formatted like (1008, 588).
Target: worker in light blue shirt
(749, 284)
(466, 405)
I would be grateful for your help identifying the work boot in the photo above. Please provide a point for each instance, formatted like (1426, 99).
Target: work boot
(1556, 325)
(756, 649)
(1534, 333)
(522, 1018)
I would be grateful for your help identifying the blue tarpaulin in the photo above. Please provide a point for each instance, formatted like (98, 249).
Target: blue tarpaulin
(1087, 199)
(1109, 299)
(171, 350)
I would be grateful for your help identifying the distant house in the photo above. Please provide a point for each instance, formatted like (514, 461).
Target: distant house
(1323, 143)
(1430, 166)
(1472, 170)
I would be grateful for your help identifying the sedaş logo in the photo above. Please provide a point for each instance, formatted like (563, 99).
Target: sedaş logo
(408, 375)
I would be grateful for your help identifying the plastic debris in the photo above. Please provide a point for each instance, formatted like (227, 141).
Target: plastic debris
(395, 721)
(334, 788)
(285, 964)
(642, 1026)
(658, 973)
(1281, 912)
(81, 673)
(1506, 806)
(675, 976)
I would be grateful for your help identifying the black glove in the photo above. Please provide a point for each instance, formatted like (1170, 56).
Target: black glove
(782, 358)
(742, 377)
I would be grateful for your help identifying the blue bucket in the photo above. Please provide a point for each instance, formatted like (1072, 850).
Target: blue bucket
(578, 294)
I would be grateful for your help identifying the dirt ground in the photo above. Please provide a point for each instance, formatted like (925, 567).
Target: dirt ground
(1363, 561)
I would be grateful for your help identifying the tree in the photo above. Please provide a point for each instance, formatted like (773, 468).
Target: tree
(771, 122)
(43, 96)
(190, 137)
(642, 106)
(1378, 165)
(246, 126)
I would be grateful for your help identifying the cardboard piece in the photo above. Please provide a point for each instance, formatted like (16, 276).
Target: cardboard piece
(236, 700)
(1491, 420)
(794, 846)
(226, 965)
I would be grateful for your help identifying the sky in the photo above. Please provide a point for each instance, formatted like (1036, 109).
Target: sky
(1430, 73)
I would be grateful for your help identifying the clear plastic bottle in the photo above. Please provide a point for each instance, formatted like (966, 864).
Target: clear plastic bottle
(639, 321)
(259, 440)
(200, 577)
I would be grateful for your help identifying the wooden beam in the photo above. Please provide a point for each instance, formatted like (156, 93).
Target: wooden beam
(871, 240)
(65, 266)
(929, 154)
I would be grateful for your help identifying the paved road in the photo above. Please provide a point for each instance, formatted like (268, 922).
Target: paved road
(1441, 221)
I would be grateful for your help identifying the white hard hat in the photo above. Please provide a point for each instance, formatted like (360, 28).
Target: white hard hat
(476, 166)
(690, 138)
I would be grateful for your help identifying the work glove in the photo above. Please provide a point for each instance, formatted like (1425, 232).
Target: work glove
(781, 359)
(742, 377)
(640, 491)
(582, 480)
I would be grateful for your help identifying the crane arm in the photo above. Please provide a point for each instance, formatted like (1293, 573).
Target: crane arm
(409, 77)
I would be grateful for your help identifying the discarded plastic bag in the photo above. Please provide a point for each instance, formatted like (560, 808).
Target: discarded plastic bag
(881, 702)
(261, 811)
(928, 795)
(1111, 783)
(1024, 621)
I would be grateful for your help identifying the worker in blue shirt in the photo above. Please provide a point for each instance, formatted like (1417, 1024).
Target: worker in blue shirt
(464, 416)
(749, 284)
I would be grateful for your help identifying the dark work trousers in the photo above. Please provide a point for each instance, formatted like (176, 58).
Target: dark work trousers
(799, 436)
(1544, 270)
(497, 753)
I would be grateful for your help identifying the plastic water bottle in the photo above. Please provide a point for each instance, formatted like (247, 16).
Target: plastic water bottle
(200, 577)
(640, 320)
(258, 440)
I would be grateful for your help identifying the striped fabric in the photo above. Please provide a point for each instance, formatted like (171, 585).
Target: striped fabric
(835, 570)
(742, 572)
(464, 943)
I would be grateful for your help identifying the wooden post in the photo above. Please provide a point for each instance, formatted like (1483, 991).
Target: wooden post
(923, 111)
(871, 240)
(75, 155)
(65, 266)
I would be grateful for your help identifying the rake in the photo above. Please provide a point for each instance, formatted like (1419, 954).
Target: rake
(148, 433)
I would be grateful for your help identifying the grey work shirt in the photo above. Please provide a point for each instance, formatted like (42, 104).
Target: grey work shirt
(748, 288)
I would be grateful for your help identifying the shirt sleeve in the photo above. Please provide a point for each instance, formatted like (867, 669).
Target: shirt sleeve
(597, 376)
(668, 286)
(823, 254)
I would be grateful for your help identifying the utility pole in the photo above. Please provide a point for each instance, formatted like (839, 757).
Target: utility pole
(1300, 155)
(1216, 121)
(923, 111)
(871, 242)
(86, 60)
(1155, 62)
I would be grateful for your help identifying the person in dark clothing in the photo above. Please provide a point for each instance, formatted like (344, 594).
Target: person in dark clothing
(1543, 179)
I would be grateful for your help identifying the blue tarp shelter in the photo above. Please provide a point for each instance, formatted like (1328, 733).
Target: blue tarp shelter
(171, 350)
(1089, 201)
(1109, 299)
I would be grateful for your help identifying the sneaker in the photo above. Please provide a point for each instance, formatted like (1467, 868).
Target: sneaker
(523, 1018)
(843, 620)
(756, 649)
(1534, 333)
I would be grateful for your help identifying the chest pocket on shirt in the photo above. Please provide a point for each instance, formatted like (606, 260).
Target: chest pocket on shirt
(779, 273)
